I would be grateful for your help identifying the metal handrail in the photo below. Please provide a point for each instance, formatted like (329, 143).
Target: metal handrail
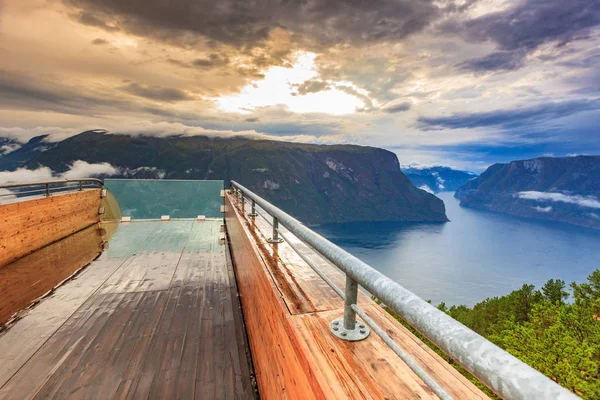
(503, 373)
(47, 186)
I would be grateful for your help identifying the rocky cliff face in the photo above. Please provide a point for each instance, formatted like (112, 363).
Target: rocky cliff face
(438, 179)
(317, 184)
(559, 189)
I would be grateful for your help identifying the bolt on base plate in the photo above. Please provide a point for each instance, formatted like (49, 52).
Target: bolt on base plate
(360, 332)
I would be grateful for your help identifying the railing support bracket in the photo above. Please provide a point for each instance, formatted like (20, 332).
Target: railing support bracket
(360, 331)
(348, 328)
(275, 238)
(253, 213)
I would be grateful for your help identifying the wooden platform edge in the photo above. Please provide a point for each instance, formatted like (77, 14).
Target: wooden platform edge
(282, 370)
(29, 225)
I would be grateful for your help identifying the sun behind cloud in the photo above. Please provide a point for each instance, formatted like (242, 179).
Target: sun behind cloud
(280, 86)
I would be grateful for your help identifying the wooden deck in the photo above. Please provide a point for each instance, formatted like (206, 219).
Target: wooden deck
(156, 316)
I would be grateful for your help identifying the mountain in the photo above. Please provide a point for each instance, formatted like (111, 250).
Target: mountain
(316, 183)
(8, 145)
(560, 189)
(437, 179)
(15, 154)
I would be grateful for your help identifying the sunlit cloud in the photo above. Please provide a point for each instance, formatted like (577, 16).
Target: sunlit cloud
(279, 88)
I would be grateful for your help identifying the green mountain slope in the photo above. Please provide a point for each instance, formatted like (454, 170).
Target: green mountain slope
(317, 184)
(563, 189)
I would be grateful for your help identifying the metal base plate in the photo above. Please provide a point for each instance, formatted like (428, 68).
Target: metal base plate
(360, 332)
(253, 215)
(274, 241)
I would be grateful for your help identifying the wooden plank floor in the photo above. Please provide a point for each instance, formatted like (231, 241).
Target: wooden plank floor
(156, 316)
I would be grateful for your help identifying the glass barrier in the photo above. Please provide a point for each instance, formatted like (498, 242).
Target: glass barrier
(153, 198)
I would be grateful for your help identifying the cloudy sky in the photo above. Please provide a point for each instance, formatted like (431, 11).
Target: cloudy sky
(464, 83)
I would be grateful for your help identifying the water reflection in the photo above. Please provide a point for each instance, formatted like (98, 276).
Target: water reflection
(25, 280)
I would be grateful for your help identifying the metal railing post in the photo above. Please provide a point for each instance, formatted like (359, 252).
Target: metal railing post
(253, 213)
(275, 237)
(348, 328)
(47, 190)
(351, 296)
(80, 186)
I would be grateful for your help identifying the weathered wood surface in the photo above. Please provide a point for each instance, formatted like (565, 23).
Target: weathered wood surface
(281, 371)
(281, 292)
(29, 225)
(25, 280)
(166, 331)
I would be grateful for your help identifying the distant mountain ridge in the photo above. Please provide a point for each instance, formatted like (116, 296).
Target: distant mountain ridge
(563, 189)
(20, 154)
(316, 183)
(438, 178)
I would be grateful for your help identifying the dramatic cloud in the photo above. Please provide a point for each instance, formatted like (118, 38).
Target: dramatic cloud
(212, 61)
(157, 93)
(397, 108)
(510, 118)
(582, 201)
(466, 83)
(240, 23)
(529, 24)
(501, 60)
(312, 86)
(99, 41)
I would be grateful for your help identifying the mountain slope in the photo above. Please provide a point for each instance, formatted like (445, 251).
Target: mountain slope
(20, 154)
(317, 184)
(437, 179)
(561, 189)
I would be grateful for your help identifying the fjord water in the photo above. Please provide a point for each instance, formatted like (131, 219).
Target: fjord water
(477, 255)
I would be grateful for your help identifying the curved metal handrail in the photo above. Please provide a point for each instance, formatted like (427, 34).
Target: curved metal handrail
(503, 373)
(48, 187)
(54, 182)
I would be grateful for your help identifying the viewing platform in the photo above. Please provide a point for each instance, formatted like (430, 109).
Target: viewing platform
(209, 293)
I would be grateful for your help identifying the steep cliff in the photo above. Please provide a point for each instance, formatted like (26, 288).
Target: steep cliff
(317, 184)
(560, 189)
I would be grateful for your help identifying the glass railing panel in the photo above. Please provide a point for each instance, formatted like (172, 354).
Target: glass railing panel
(152, 198)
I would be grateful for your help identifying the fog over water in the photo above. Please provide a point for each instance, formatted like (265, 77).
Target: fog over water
(477, 255)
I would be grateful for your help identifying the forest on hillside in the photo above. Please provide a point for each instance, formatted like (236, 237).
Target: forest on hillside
(553, 329)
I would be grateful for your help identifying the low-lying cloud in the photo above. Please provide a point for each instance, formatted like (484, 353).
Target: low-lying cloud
(78, 169)
(9, 148)
(582, 201)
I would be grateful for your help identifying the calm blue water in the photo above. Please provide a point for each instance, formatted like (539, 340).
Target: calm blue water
(477, 255)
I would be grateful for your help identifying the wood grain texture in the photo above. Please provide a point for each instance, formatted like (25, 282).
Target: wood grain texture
(167, 331)
(32, 276)
(272, 276)
(282, 372)
(27, 226)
